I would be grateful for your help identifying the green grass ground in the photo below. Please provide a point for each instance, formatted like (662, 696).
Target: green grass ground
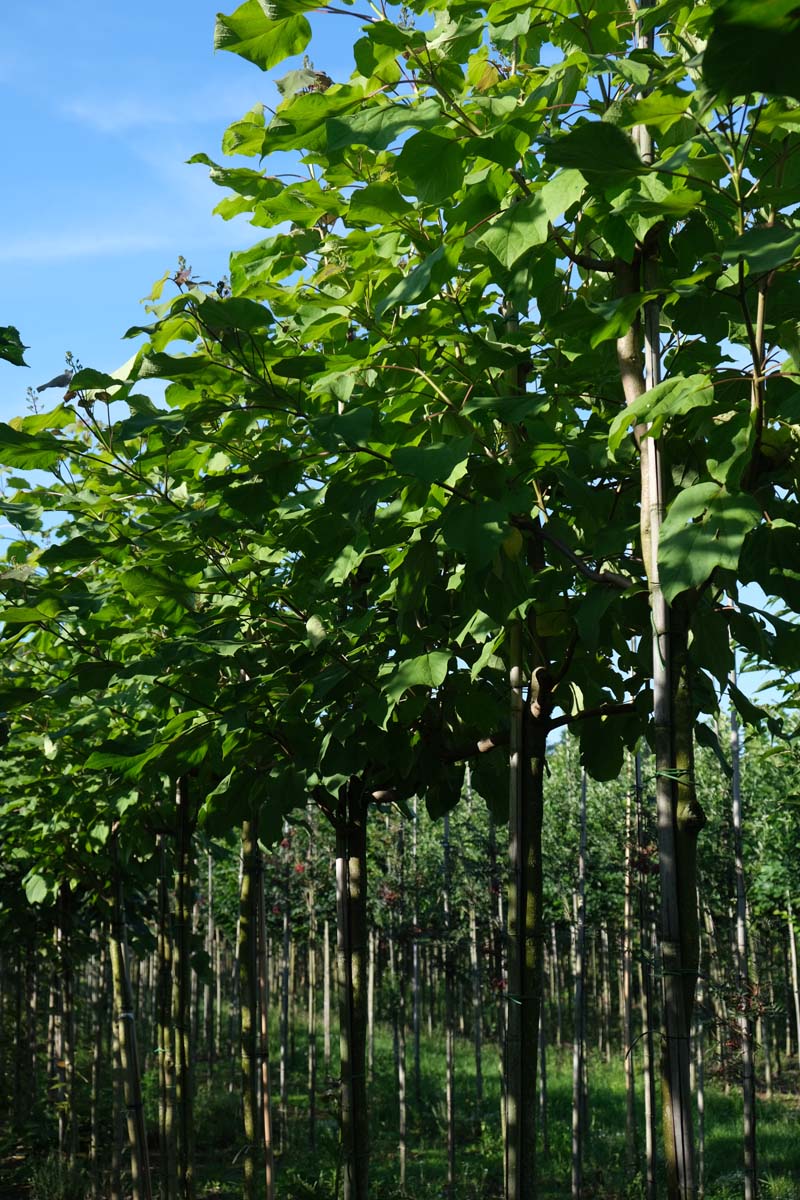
(305, 1173)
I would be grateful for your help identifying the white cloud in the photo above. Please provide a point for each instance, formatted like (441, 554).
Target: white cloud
(79, 243)
(123, 114)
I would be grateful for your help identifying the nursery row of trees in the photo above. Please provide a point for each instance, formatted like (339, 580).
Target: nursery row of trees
(435, 965)
(481, 443)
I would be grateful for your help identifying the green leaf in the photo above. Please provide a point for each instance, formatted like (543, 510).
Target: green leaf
(754, 47)
(41, 452)
(750, 713)
(377, 127)
(149, 583)
(422, 281)
(251, 33)
(23, 614)
(347, 562)
(707, 737)
(88, 379)
(704, 529)
(679, 394)
(659, 110)
(376, 204)
(764, 249)
(525, 225)
(11, 347)
(444, 790)
(429, 670)
(432, 463)
(434, 164)
(601, 152)
(36, 889)
(477, 531)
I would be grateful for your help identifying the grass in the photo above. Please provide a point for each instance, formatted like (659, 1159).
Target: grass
(304, 1173)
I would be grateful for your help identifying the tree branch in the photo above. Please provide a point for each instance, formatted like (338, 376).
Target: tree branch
(602, 710)
(610, 266)
(473, 749)
(607, 578)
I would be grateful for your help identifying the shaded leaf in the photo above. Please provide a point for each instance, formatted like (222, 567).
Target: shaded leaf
(705, 528)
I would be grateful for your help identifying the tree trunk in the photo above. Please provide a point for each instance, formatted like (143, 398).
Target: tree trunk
(795, 975)
(284, 1025)
(99, 1011)
(627, 989)
(248, 1001)
(579, 1031)
(263, 988)
(416, 995)
(326, 995)
(351, 914)
(700, 1084)
(166, 1058)
(400, 1021)
(449, 1017)
(528, 745)
(543, 1115)
(208, 987)
(182, 994)
(312, 1007)
(371, 940)
(126, 1040)
(680, 817)
(743, 974)
(646, 988)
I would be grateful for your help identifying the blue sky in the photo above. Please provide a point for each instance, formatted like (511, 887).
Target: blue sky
(102, 105)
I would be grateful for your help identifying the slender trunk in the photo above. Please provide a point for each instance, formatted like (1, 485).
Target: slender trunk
(528, 744)
(284, 1025)
(680, 818)
(126, 1040)
(69, 1030)
(579, 1043)
(182, 994)
(795, 976)
(646, 989)
(99, 1010)
(31, 1014)
(400, 1025)
(743, 974)
(627, 988)
(556, 985)
(605, 971)
(234, 1016)
(372, 938)
(449, 1018)
(764, 1030)
(543, 1122)
(312, 1010)
(117, 1106)
(263, 988)
(57, 1065)
(415, 964)
(351, 882)
(477, 1024)
(166, 1058)
(700, 1084)
(326, 995)
(248, 1002)
(219, 965)
(208, 987)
